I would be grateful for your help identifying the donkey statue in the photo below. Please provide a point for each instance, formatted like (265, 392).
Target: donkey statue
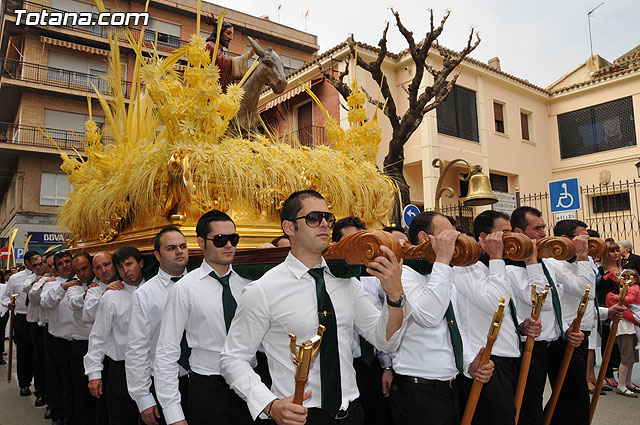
(270, 71)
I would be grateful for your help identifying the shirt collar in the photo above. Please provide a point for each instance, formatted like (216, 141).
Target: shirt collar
(165, 277)
(205, 270)
(299, 269)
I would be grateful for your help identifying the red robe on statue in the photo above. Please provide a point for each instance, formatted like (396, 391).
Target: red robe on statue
(225, 64)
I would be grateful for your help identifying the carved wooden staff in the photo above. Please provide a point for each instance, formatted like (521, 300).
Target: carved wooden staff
(302, 356)
(10, 356)
(564, 366)
(476, 387)
(537, 300)
(607, 351)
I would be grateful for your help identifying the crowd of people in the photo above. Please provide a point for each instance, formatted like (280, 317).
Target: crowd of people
(402, 343)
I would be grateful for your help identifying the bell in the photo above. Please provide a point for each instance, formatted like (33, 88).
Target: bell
(480, 192)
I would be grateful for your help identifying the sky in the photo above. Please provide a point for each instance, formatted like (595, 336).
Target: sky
(535, 40)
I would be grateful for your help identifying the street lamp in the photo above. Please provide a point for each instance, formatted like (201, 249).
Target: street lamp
(479, 193)
(638, 168)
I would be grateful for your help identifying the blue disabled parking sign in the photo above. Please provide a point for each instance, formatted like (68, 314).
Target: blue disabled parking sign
(564, 195)
(408, 213)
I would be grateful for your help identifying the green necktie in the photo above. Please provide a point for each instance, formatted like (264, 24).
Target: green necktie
(366, 351)
(456, 339)
(514, 317)
(229, 303)
(557, 307)
(331, 391)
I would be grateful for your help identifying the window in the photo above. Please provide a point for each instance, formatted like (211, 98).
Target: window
(54, 188)
(611, 203)
(597, 128)
(498, 117)
(61, 125)
(499, 183)
(525, 125)
(457, 115)
(168, 34)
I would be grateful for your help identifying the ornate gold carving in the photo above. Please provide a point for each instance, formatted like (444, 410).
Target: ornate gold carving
(466, 252)
(556, 247)
(302, 355)
(597, 248)
(363, 247)
(517, 246)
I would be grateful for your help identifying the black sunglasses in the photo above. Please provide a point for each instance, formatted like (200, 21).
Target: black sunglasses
(37, 264)
(314, 218)
(221, 240)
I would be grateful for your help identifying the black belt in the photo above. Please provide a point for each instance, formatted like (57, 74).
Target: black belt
(343, 413)
(422, 381)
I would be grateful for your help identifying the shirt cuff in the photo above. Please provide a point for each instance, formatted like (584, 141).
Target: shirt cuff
(145, 402)
(535, 270)
(442, 269)
(497, 267)
(60, 292)
(94, 375)
(173, 414)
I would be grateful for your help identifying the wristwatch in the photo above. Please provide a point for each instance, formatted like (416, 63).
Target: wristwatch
(399, 303)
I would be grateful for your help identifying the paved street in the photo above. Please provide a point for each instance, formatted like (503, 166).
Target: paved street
(16, 410)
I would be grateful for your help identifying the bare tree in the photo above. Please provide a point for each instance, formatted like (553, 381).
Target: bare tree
(421, 100)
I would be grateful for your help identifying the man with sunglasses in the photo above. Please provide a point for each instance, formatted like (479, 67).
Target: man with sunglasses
(147, 307)
(295, 297)
(201, 306)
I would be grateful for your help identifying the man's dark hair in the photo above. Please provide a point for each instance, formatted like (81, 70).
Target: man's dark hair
(278, 239)
(60, 255)
(593, 233)
(293, 204)
(29, 255)
(214, 34)
(46, 256)
(336, 235)
(165, 229)
(203, 228)
(391, 229)
(567, 227)
(125, 253)
(519, 217)
(85, 255)
(483, 223)
(422, 223)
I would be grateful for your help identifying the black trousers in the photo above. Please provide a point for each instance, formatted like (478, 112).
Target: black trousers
(495, 405)
(3, 326)
(24, 350)
(574, 402)
(39, 368)
(614, 361)
(430, 402)
(54, 381)
(228, 408)
(62, 359)
(120, 406)
(102, 415)
(84, 403)
(354, 416)
(374, 404)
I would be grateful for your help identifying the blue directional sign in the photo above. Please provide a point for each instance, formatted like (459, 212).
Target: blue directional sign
(408, 213)
(564, 195)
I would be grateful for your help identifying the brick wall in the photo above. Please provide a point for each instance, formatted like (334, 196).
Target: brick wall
(32, 107)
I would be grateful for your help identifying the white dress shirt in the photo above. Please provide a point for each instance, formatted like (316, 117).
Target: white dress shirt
(109, 332)
(284, 301)
(194, 305)
(34, 311)
(15, 284)
(3, 308)
(35, 294)
(81, 327)
(91, 301)
(479, 290)
(53, 297)
(378, 298)
(426, 350)
(575, 277)
(147, 307)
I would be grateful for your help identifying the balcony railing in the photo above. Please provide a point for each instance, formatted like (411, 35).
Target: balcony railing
(165, 41)
(56, 77)
(30, 135)
(310, 136)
